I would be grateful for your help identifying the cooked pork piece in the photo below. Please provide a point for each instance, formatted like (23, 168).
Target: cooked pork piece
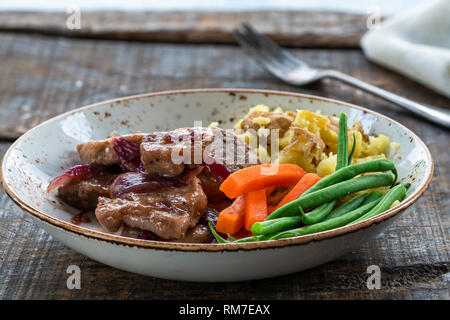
(168, 153)
(83, 194)
(198, 234)
(102, 153)
(211, 183)
(167, 212)
(164, 174)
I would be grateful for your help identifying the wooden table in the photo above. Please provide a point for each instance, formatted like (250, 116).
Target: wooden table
(43, 75)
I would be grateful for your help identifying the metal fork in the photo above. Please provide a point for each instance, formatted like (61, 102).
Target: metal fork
(284, 66)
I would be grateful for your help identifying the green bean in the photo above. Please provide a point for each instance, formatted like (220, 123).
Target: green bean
(327, 224)
(342, 153)
(319, 213)
(340, 175)
(261, 237)
(374, 195)
(348, 206)
(276, 225)
(351, 171)
(216, 235)
(230, 236)
(353, 150)
(396, 193)
(314, 228)
(332, 192)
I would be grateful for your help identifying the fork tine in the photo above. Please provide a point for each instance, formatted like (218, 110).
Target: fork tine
(274, 57)
(265, 55)
(267, 44)
(266, 61)
(250, 49)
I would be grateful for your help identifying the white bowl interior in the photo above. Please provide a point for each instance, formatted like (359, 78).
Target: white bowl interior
(47, 150)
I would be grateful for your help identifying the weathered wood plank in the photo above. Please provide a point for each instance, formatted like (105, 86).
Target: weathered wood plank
(293, 28)
(42, 76)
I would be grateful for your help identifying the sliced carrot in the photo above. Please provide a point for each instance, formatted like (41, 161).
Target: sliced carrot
(231, 219)
(260, 177)
(255, 207)
(306, 182)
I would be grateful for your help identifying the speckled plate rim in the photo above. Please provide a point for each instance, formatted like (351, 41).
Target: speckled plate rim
(189, 247)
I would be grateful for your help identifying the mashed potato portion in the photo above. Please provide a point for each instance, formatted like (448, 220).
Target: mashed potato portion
(308, 139)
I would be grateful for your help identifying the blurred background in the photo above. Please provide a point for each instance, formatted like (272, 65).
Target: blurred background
(356, 6)
(58, 55)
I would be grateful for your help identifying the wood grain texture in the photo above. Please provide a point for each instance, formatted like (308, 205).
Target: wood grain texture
(293, 28)
(42, 76)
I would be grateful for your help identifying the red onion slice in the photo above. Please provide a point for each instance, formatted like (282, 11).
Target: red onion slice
(139, 182)
(217, 168)
(80, 172)
(128, 153)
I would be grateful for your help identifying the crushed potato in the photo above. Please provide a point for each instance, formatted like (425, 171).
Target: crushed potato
(311, 139)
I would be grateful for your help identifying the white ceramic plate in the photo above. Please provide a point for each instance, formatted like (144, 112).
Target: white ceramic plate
(48, 149)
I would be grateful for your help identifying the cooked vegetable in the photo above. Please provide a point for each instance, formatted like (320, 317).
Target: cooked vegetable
(260, 177)
(335, 191)
(314, 228)
(216, 168)
(319, 196)
(232, 218)
(319, 213)
(311, 146)
(350, 157)
(128, 153)
(348, 206)
(339, 176)
(231, 237)
(306, 182)
(328, 224)
(378, 165)
(374, 195)
(342, 153)
(216, 235)
(255, 207)
(80, 172)
(276, 225)
(398, 193)
(138, 182)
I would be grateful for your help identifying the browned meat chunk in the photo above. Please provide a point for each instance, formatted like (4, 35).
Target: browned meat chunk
(198, 234)
(83, 194)
(168, 212)
(168, 153)
(211, 184)
(102, 153)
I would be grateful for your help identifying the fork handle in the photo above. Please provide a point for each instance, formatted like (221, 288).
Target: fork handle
(435, 114)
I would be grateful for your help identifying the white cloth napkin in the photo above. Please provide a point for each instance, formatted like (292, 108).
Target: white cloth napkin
(415, 43)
